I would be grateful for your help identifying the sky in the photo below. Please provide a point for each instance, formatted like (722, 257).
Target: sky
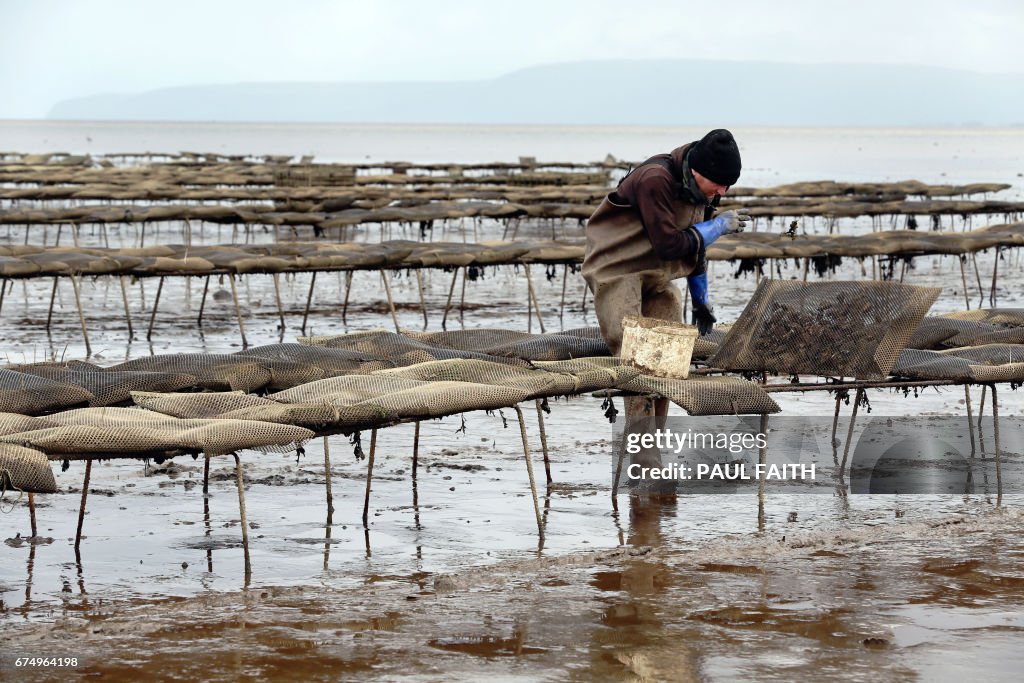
(51, 50)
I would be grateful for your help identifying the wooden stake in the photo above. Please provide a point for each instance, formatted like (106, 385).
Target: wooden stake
(328, 475)
(202, 302)
(156, 303)
(849, 433)
(240, 483)
(762, 459)
(369, 479)
(543, 440)
(561, 304)
(238, 310)
(995, 431)
(53, 298)
(309, 300)
(32, 513)
(970, 417)
(416, 449)
(81, 315)
(81, 507)
(448, 304)
(835, 426)
(423, 300)
(391, 302)
(462, 300)
(127, 310)
(277, 297)
(533, 298)
(348, 289)
(995, 271)
(977, 275)
(981, 408)
(206, 474)
(529, 470)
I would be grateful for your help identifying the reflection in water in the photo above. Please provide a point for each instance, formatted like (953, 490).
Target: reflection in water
(631, 640)
(489, 646)
(28, 578)
(206, 514)
(81, 574)
(327, 539)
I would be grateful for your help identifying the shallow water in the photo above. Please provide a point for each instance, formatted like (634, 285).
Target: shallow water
(450, 580)
(770, 155)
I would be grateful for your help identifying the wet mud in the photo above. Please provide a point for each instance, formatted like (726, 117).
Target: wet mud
(889, 602)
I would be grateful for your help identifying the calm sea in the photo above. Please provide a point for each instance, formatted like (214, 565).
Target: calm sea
(770, 155)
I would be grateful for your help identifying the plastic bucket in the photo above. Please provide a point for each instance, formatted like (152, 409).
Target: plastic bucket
(662, 348)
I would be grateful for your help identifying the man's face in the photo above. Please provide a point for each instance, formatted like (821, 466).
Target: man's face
(708, 188)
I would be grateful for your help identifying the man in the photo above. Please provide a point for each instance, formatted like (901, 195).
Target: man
(654, 228)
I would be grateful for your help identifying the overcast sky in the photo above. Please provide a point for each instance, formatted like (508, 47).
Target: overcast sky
(52, 50)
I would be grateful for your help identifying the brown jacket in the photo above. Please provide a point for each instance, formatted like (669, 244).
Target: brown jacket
(619, 245)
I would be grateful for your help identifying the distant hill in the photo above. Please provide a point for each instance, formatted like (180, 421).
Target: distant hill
(634, 92)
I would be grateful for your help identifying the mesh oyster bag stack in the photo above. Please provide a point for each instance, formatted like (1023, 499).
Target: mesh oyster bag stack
(92, 432)
(838, 329)
(110, 387)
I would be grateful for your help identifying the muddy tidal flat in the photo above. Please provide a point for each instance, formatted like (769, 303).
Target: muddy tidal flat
(449, 578)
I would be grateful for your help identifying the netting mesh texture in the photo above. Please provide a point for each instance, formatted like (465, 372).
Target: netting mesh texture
(12, 423)
(110, 387)
(986, 363)
(45, 387)
(400, 349)
(33, 395)
(395, 398)
(25, 469)
(946, 332)
(840, 329)
(133, 431)
(580, 343)
(1003, 317)
(342, 383)
(708, 395)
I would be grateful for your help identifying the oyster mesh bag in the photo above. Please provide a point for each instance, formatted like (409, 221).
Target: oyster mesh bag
(25, 469)
(839, 329)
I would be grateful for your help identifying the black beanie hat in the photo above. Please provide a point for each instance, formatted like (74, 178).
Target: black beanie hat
(716, 157)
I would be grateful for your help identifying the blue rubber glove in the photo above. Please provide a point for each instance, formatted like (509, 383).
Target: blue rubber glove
(727, 223)
(703, 316)
(698, 286)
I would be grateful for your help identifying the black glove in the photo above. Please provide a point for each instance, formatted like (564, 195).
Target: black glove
(704, 318)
